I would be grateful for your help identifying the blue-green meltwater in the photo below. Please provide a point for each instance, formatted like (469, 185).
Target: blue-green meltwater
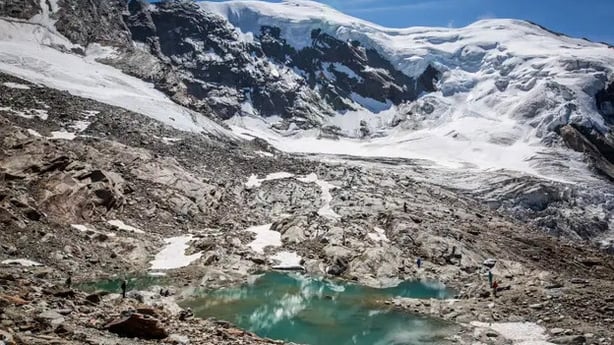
(317, 311)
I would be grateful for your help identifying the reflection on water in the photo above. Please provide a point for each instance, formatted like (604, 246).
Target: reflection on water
(317, 311)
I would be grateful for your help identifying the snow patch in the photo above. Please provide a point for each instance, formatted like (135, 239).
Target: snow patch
(170, 141)
(254, 181)
(326, 197)
(371, 104)
(89, 231)
(21, 262)
(265, 237)
(287, 261)
(27, 113)
(34, 133)
(62, 135)
(16, 85)
(378, 235)
(345, 69)
(173, 256)
(264, 154)
(122, 226)
(521, 333)
(80, 126)
(80, 227)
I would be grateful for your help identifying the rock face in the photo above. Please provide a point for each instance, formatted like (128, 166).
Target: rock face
(605, 102)
(598, 147)
(97, 21)
(137, 325)
(25, 9)
(234, 76)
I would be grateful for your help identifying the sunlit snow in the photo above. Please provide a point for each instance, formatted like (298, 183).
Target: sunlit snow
(122, 226)
(265, 237)
(505, 86)
(16, 86)
(520, 333)
(21, 262)
(173, 255)
(286, 260)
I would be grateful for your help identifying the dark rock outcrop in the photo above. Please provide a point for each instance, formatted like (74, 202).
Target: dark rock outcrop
(599, 148)
(21, 9)
(137, 325)
(605, 103)
(93, 21)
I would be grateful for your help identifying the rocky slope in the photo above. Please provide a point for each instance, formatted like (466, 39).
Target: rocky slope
(324, 89)
(68, 192)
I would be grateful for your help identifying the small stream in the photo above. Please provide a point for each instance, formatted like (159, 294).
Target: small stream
(317, 311)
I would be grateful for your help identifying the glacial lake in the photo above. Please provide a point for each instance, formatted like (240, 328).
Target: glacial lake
(311, 310)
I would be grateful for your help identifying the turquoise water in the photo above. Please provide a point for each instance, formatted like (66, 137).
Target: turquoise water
(316, 311)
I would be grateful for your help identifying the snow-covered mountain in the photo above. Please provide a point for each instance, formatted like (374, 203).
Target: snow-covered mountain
(497, 94)
(504, 110)
(507, 88)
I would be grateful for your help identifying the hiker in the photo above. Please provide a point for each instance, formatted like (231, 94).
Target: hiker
(123, 287)
(68, 282)
(419, 262)
(495, 287)
(405, 207)
(490, 276)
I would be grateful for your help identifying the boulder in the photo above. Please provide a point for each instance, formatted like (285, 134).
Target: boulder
(569, 340)
(50, 318)
(96, 297)
(339, 266)
(6, 337)
(15, 300)
(490, 263)
(137, 325)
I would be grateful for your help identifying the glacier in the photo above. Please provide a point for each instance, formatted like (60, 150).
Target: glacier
(506, 86)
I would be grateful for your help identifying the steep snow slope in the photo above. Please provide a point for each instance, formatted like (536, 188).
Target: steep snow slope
(507, 88)
(34, 51)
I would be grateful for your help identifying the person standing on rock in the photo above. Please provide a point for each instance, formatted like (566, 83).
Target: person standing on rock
(68, 282)
(405, 207)
(124, 286)
(495, 287)
(490, 277)
(419, 262)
